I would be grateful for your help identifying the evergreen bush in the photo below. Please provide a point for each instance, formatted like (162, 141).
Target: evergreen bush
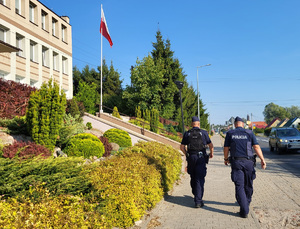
(89, 125)
(84, 145)
(116, 113)
(16, 125)
(118, 136)
(71, 126)
(166, 159)
(45, 112)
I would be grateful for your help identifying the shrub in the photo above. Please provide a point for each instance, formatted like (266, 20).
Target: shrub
(17, 125)
(267, 131)
(60, 175)
(45, 112)
(85, 145)
(166, 159)
(128, 186)
(13, 98)
(70, 127)
(73, 109)
(118, 136)
(140, 122)
(107, 146)
(89, 125)
(116, 113)
(49, 212)
(25, 150)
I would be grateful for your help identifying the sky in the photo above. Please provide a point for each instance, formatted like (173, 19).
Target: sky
(253, 46)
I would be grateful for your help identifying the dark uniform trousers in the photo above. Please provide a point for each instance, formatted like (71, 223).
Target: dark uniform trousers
(197, 170)
(243, 174)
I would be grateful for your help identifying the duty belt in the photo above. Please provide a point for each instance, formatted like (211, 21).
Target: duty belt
(242, 158)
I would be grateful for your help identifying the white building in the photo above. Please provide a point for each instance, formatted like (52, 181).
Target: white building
(35, 45)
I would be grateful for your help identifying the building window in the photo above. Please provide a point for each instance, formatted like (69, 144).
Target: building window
(54, 27)
(3, 2)
(45, 21)
(18, 7)
(33, 51)
(45, 56)
(20, 44)
(64, 65)
(55, 61)
(32, 9)
(19, 79)
(4, 35)
(33, 83)
(64, 33)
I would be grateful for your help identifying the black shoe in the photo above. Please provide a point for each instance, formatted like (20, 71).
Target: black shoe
(199, 205)
(243, 215)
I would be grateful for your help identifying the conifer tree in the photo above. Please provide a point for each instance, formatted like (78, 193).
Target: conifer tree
(45, 112)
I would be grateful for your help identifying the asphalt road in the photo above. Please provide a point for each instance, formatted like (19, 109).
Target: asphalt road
(289, 161)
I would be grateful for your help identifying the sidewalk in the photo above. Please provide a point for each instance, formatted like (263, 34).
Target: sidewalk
(275, 204)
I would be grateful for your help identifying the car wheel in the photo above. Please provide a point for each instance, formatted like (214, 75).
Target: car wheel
(271, 148)
(278, 150)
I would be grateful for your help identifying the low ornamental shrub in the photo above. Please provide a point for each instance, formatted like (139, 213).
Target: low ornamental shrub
(25, 150)
(127, 187)
(166, 159)
(64, 211)
(62, 175)
(107, 146)
(118, 136)
(84, 145)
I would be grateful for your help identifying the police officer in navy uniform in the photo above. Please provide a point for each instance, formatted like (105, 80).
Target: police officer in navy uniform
(193, 145)
(239, 143)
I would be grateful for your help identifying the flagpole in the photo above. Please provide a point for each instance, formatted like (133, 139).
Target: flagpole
(101, 111)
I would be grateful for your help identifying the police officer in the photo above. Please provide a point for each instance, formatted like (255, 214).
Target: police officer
(193, 145)
(239, 142)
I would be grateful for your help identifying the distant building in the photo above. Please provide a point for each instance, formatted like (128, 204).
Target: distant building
(293, 122)
(260, 125)
(283, 122)
(35, 44)
(273, 123)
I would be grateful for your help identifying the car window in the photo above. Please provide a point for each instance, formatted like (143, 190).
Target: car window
(293, 132)
(281, 133)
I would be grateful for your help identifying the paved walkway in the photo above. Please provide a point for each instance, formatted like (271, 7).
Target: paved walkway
(276, 200)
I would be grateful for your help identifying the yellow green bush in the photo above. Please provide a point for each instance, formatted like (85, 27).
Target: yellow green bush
(127, 187)
(85, 145)
(118, 136)
(62, 211)
(166, 159)
(115, 192)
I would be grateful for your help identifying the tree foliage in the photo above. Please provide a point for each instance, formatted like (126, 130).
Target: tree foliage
(272, 111)
(45, 112)
(87, 94)
(111, 84)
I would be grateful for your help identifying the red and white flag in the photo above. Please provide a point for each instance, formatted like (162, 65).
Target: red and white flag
(103, 28)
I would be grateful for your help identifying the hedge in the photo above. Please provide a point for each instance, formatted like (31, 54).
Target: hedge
(118, 136)
(85, 145)
(66, 192)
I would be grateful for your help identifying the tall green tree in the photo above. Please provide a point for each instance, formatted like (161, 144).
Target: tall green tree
(45, 112)
(272, 111)
(87, 94)
(146, 86)
(112, 87)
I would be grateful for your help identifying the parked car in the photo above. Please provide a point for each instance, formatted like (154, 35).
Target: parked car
(284, 139)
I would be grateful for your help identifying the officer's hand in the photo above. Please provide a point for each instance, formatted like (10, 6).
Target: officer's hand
(226, 162)
(263, 164)
(211, 155)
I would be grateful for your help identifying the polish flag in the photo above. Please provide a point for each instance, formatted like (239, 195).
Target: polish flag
(103, 28)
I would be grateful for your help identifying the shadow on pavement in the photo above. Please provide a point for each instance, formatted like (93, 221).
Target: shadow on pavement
(188, 201)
